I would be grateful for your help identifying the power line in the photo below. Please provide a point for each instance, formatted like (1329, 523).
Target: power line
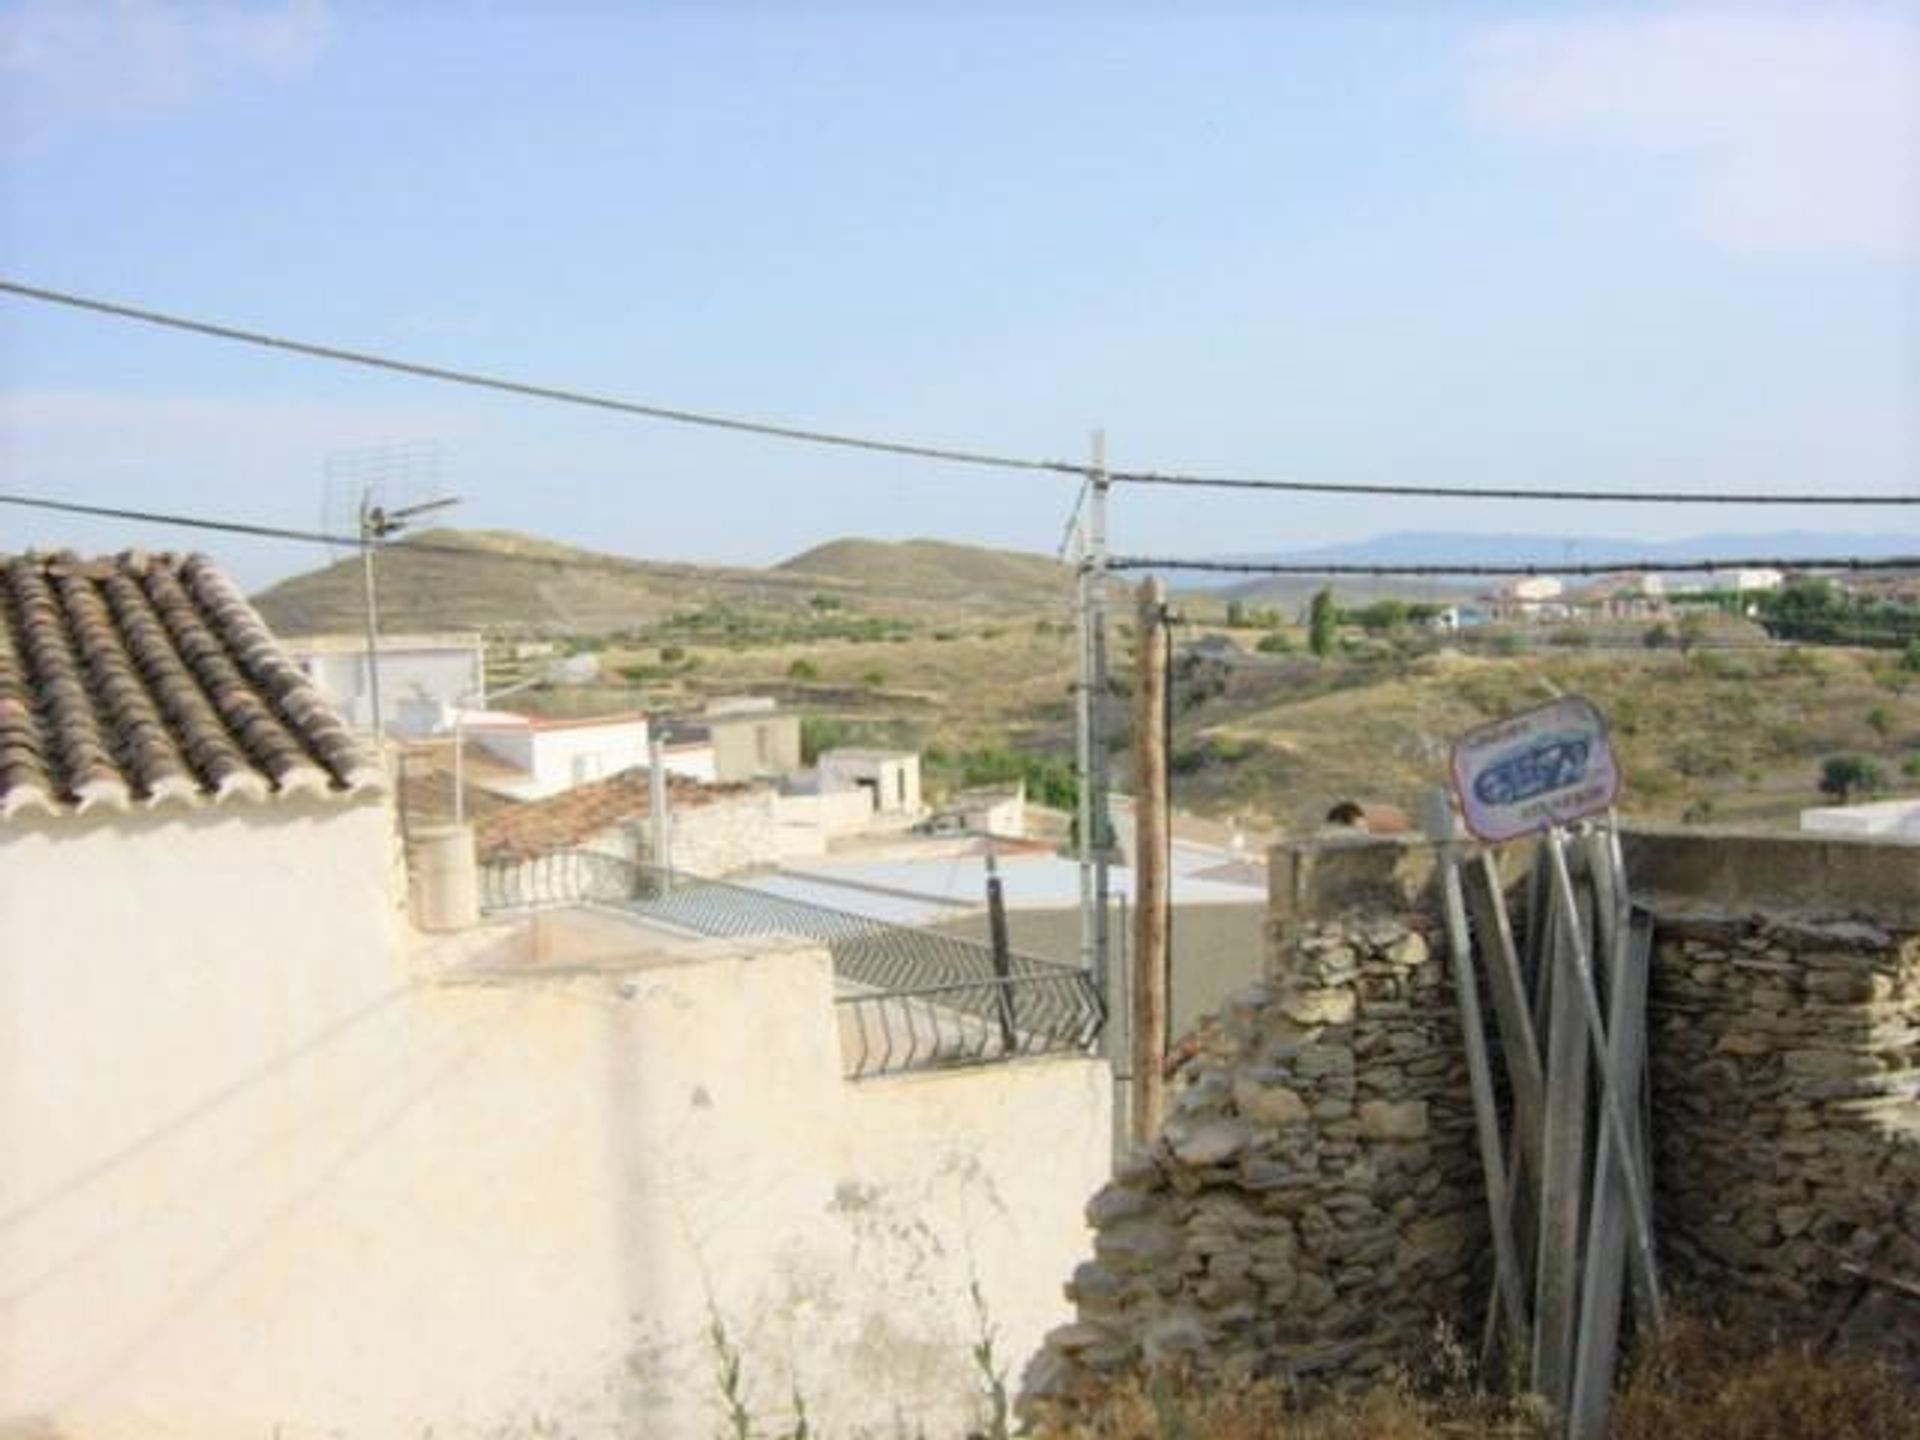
(1503, 492)
(614, 564)
(912, 449)
(605, 564)
(1255, 567)
(531, 390)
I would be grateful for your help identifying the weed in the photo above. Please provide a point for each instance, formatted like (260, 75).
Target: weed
(993, 1371)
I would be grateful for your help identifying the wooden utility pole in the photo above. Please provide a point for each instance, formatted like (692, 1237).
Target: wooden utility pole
(1151, 852)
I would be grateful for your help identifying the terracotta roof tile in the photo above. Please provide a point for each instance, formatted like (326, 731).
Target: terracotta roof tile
(538, 827)
(138, 680)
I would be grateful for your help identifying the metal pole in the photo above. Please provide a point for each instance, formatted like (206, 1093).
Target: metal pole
(657, 819)
(1101, 828)
(370, 527)
(1150, 855)
(1002, 955)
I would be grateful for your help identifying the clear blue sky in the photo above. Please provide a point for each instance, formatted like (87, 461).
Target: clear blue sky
(1632, 245)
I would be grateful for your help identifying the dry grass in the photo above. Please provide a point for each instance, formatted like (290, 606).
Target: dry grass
(1709, 1382)
(1268, 1412)
(1714, 1380)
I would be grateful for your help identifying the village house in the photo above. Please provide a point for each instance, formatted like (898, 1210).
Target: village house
(712, 829)
(753, 739)
(277, 1162)
(423, 678)
(890, 778)
(541, 756)
(1638, 596)
(1530, 598)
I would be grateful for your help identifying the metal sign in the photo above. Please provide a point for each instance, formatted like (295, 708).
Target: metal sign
(1540, 768)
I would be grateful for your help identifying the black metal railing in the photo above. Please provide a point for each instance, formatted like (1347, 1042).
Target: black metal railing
(908, 999)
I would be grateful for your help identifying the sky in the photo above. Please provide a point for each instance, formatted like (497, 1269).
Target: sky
(1633, 246)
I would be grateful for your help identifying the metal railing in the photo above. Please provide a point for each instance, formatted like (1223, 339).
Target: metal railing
(908, 999)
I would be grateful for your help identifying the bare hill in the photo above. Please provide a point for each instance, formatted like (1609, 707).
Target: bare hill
(500, 580)
(937, 570)
(488, 579)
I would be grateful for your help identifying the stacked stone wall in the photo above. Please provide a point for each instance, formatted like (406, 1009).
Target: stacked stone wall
(1314, 1202)
(1312, 1206)
(1786, 1083)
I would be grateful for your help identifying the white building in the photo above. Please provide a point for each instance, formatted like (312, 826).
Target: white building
(423, 678)
(753, 739)
(1744, 582)
(890, 777)
(548, 755)
(1880, 820)
(267, 1171)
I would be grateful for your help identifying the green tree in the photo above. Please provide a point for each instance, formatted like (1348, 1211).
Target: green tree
(1845, 776)
(1322, 621)
(1236, 614)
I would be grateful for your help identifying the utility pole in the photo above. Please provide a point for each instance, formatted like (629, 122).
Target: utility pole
(660, 835)
(378, 524)
(1101, 829)
(1151, 856)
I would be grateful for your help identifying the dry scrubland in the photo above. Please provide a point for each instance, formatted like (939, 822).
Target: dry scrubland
(1710, 1383)
(925, 643)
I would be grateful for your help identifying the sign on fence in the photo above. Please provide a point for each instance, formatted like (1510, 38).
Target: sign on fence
(1544, 767)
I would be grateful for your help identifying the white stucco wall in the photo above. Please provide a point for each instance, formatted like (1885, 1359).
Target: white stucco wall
(249, 1201)
(1882, 819)
(419, 681)
(558, 758)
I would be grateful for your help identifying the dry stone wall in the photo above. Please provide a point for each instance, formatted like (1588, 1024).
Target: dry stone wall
(1313, 1203)
(1786, 1070)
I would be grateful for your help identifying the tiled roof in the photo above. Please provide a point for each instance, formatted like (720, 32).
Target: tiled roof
(142, 680)
(538, 827)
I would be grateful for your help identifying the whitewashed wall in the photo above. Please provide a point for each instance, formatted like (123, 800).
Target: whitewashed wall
(419, 684)
(300, 1192)
(558, 758)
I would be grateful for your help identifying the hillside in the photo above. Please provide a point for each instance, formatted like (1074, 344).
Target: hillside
(489, 579)
(936, 570)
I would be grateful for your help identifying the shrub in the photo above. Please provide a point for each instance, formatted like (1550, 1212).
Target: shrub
(1880, 721)
(803, 669)
(1845, 776)
(1322, 621)
(672, 654)
(1274, 643)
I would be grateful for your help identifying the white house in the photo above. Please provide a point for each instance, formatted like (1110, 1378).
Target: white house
(423, 678)
(549, 755)
(268, 1169)
(711, 829)
(753, 739)
(1880, 820)
(890, 777)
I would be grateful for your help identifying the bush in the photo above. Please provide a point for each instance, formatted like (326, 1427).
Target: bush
(803, 669)
(1657, 637)
(672, 654)
(875, 678)
(1274, 643)
(1845, 776)
(1880, 721)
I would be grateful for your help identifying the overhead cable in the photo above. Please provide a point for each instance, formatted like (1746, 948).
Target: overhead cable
(986, 459)
(1605, 567)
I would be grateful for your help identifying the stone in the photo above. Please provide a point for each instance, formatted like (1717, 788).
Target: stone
(1409, 950)
(1212, 1142)
(1320, 1007)
(1266, 1103)
(1116, 1202)
(1172, 1337)
(1393, 1119)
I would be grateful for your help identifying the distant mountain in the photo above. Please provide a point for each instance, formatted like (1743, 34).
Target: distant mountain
(936, 570)
(501, 580)
(498, 579)
(1416, 547)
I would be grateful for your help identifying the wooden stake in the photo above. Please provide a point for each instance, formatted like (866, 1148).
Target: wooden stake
(1152, 843)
